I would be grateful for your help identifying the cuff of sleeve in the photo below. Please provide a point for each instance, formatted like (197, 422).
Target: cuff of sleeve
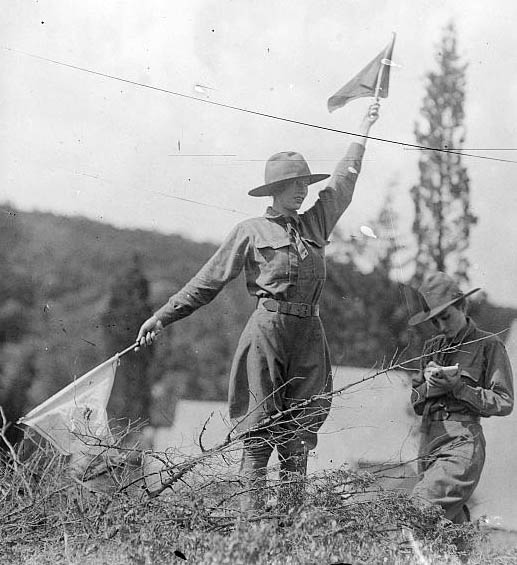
(164, 316)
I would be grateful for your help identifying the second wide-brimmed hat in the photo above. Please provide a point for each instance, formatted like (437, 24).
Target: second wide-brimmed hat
(284, 167)
(438, 292)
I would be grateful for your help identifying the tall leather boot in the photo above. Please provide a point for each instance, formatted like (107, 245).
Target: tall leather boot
(253, 473)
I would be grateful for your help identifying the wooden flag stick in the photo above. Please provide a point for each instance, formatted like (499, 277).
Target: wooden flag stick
(128, 349)
(378, 83)
(381, 69)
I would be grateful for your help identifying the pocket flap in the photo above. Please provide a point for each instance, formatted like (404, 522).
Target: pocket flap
(275, 242)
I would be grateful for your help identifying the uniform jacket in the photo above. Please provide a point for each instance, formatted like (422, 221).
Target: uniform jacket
(486, 387)
(269, 253)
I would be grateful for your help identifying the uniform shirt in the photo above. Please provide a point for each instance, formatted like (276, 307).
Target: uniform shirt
(486, 387)
(281, 261)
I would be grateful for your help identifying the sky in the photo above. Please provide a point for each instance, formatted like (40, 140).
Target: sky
(78, 143)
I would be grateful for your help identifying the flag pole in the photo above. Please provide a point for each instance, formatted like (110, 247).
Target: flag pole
(378, 83)
(381, 69)
(128, 349)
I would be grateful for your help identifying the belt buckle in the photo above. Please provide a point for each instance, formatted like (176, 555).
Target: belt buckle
(303, 310)
(282, 307)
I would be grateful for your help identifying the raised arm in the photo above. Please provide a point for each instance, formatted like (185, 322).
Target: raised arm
(371, 116)
(336, 198)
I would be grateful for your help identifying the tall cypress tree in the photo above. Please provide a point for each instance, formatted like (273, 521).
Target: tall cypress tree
(128, 307)
(443, 216)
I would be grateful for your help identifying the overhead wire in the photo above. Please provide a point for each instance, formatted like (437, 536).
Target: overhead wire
(253, 112)
(405, 145)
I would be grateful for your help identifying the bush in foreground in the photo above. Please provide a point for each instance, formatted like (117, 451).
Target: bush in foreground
(51, 517)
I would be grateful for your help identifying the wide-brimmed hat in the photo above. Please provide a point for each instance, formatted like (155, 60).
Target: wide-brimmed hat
(281, 168)
(438, 292)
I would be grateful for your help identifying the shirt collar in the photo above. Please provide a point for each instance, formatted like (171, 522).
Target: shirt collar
(272, 214)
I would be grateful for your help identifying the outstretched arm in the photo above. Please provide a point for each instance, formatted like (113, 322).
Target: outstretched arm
(225, 265)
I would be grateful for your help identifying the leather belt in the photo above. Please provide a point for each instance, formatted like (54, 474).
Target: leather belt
(291, 308)
(442, 415)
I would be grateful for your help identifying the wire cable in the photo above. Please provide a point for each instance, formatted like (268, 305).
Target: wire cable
(253, 112)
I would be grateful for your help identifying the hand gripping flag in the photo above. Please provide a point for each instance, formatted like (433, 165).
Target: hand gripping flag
(75, 420)
(373, 80)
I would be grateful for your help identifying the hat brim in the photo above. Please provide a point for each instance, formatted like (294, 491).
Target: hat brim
(425, 316)
(273, 187)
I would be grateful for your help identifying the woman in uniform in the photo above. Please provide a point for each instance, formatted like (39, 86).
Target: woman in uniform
(282, 357)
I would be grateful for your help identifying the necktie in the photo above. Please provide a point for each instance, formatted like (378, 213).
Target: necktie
(295, 236)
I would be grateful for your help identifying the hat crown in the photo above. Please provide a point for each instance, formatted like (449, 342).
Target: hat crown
(286, 165)
(439, 289)
(282, 168)
(437, 292)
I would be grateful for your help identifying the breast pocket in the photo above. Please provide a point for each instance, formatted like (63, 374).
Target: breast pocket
(272, 256)
(471, 363)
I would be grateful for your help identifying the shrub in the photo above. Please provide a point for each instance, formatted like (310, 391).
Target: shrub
(51, 516)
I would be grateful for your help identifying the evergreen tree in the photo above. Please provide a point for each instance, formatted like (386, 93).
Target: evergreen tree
(443, 217)
(128, 307)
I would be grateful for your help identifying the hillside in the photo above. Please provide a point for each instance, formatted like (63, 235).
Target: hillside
(58, 278)
(72, 262)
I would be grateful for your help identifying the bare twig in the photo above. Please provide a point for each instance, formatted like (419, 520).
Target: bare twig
(3, 435)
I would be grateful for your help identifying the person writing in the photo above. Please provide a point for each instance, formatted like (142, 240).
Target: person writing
(465, 375)
(282, 357)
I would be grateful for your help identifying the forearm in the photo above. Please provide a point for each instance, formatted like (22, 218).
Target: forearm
(335, 199)
(344, 177)
(224, 266)
(364, 131)
(191, 297)
(495, 397)
(345, 174)
(486, 402)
